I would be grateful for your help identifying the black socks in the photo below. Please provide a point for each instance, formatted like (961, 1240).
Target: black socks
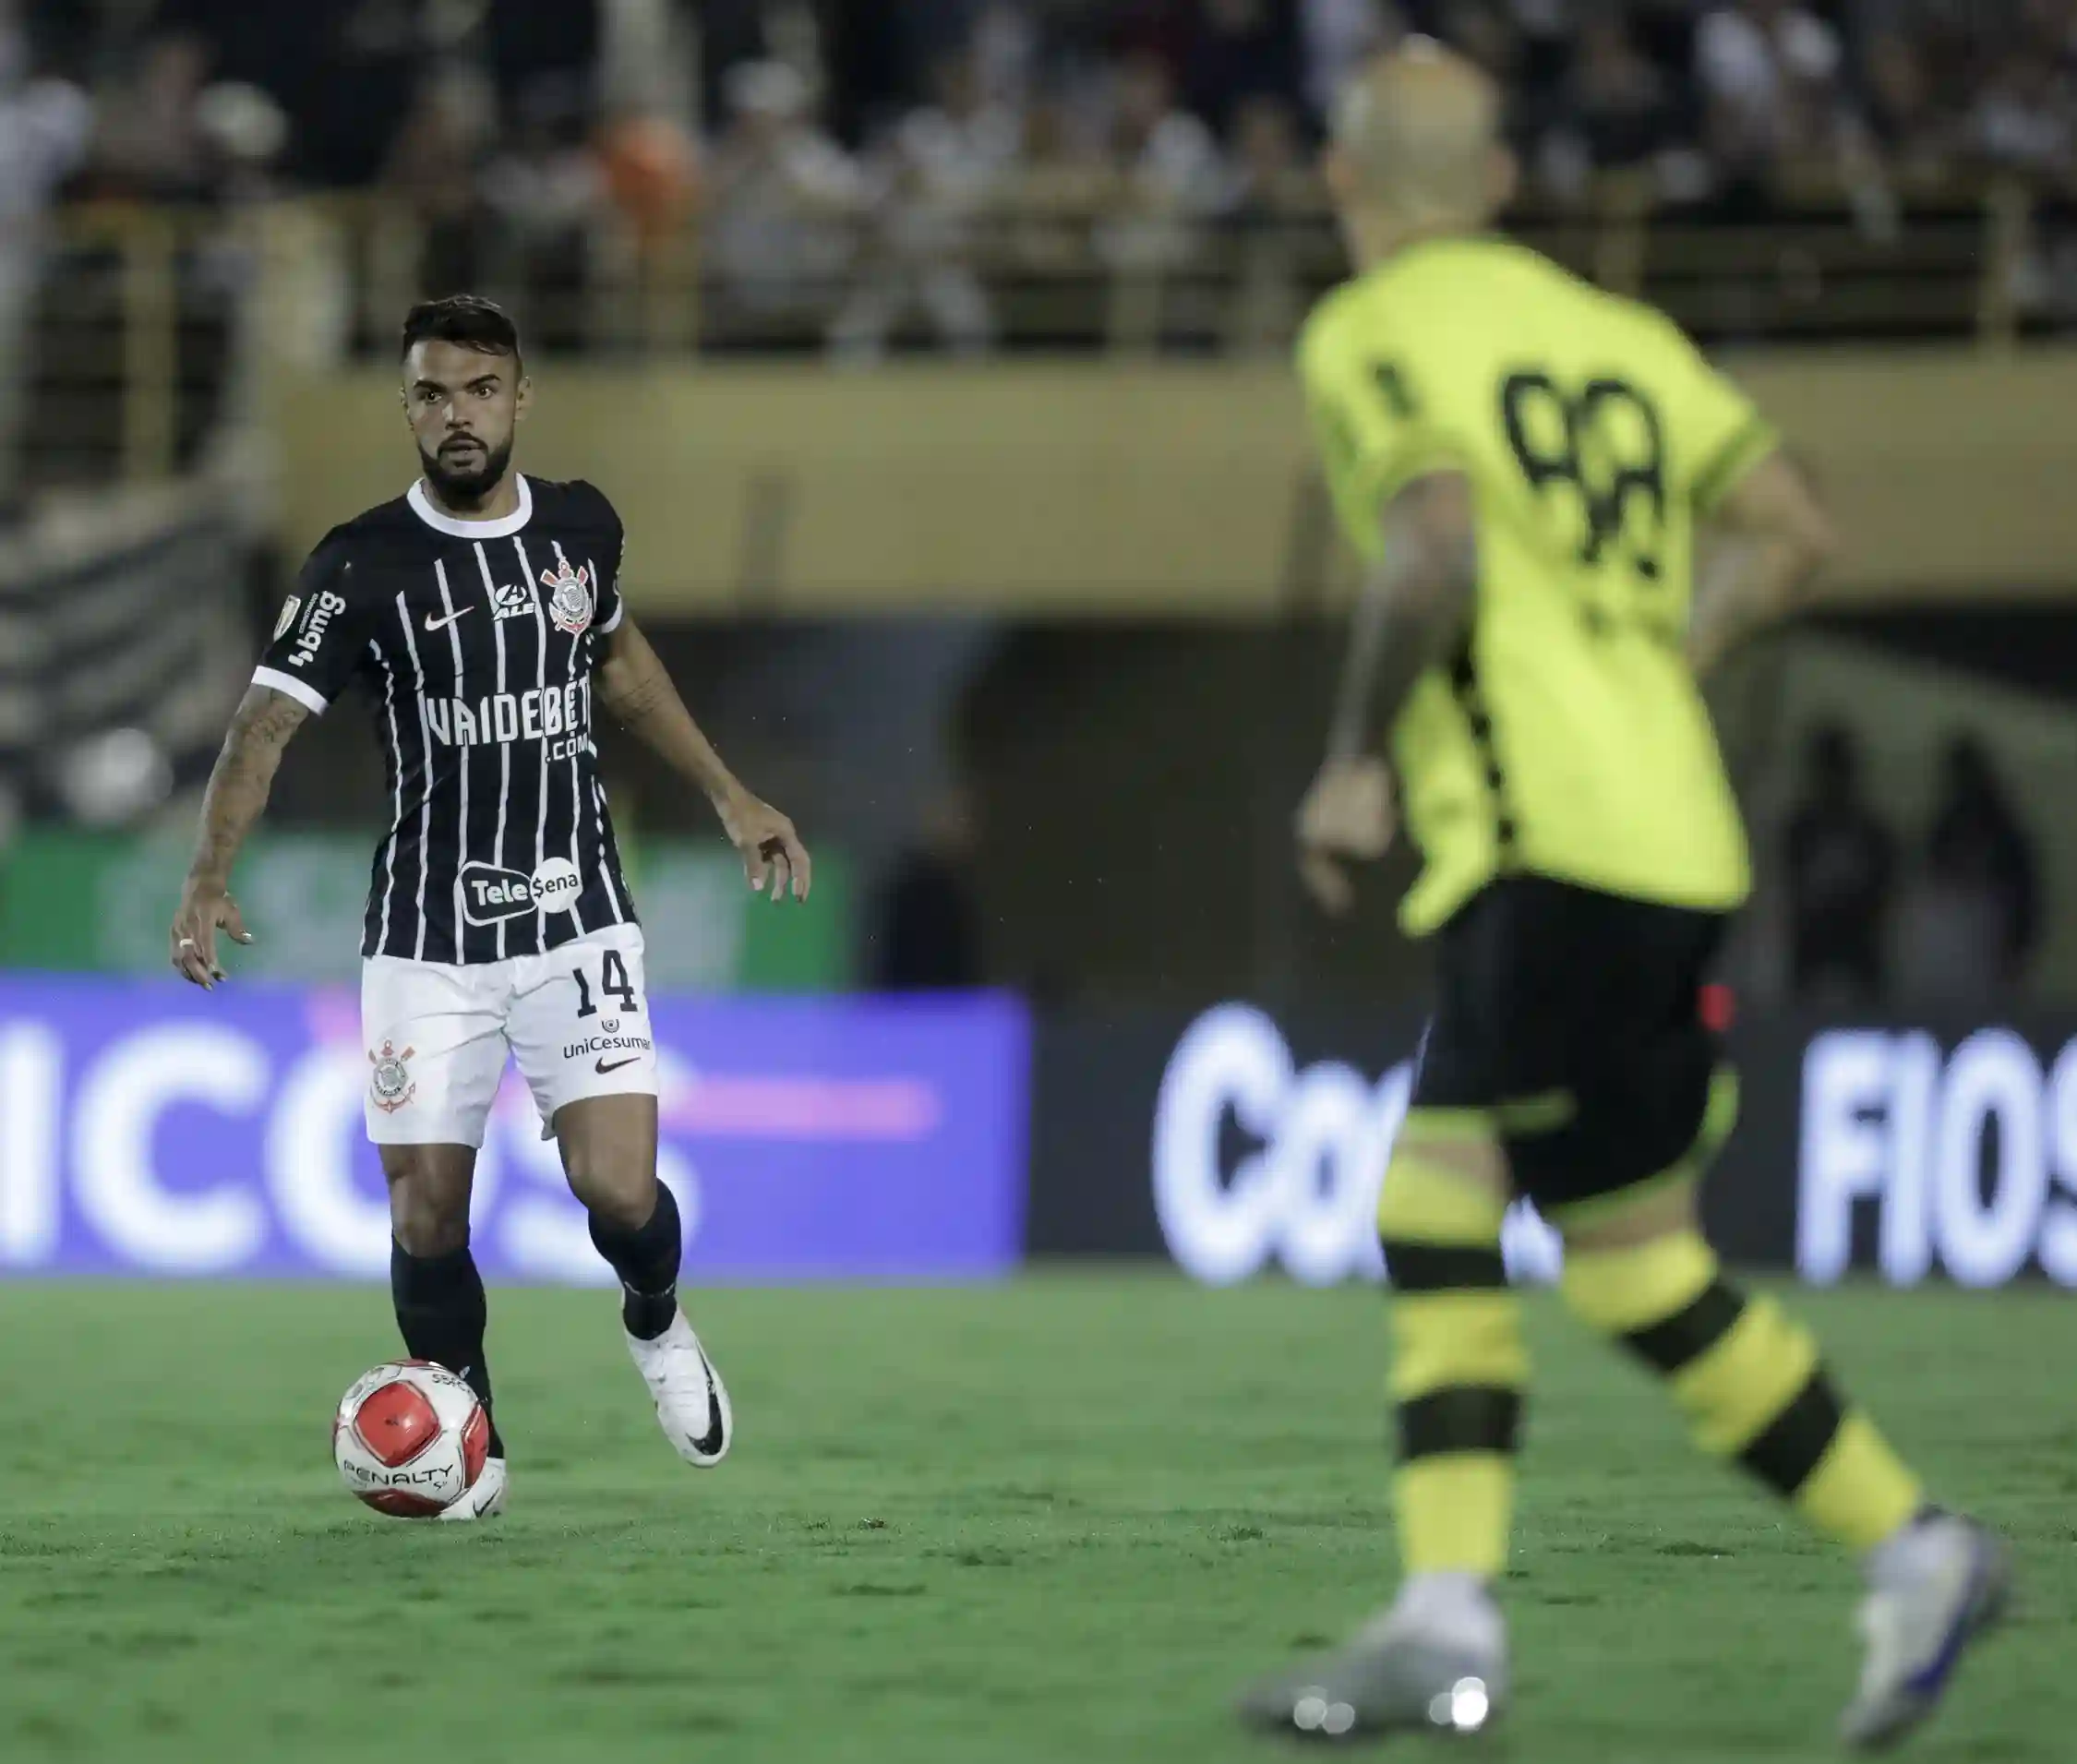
(646, 1260)
(441, 1312)
(441, 1315)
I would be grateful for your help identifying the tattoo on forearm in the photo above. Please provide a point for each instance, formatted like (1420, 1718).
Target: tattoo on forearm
(241, 779)
(1408, 642)
(1350, 733)
(269, 724)
(635, 700)
(1411, 611)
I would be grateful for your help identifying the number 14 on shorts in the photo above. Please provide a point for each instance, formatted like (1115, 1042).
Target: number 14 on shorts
(614, 981)
(606, 1046)
(611, 1043)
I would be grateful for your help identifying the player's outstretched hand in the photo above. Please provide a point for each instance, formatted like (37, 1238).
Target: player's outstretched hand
(204, 910)
(765, 841)
(1345, 818)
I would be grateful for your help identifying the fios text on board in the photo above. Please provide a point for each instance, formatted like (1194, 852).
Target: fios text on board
(1969, 1159)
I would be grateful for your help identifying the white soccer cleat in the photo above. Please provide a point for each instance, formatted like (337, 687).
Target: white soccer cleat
(1400, 1673)
(486, 1499)
(691, 1401)
(1937, 1589)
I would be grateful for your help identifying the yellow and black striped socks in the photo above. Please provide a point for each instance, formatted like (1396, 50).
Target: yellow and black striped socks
(1459, 1369)
(1750, 1381)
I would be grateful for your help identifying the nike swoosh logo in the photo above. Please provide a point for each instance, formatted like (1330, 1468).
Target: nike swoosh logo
(709, 1443)
(442, 624)
(600, 1067)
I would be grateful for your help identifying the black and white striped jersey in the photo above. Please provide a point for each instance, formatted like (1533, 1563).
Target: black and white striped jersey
(478, 638)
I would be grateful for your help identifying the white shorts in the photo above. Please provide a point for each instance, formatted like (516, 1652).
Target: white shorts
(576, 1019)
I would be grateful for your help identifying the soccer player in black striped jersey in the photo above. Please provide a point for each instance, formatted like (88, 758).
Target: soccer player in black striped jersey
(482, 611)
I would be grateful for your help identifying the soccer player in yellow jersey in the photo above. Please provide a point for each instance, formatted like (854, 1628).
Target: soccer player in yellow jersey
(1529, 464)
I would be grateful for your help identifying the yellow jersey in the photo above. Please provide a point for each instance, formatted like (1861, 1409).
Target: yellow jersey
(1567, 737)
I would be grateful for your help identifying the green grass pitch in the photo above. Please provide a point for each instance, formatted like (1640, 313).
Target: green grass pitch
(1058, 1520)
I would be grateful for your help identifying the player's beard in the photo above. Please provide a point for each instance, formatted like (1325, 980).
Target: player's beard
(465, 490)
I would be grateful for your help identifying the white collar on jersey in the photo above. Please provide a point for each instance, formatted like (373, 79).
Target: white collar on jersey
(422, 506)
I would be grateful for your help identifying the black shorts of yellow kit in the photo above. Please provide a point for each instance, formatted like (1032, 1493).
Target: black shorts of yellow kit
(1568, 1027)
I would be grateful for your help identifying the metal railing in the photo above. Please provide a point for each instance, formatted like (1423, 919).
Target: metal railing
(139, 340)
(1079, 266)
(149, 314)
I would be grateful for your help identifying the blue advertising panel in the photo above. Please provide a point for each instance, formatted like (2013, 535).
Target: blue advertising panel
(149, 1128)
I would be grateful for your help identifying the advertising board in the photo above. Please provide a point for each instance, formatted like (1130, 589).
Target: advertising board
(149, 1128)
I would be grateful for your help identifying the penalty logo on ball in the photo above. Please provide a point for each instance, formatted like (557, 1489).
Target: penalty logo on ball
(390, 1079)
(410, 1439)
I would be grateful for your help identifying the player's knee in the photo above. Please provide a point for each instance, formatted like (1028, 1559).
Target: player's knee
(426, 1223)
(609, 1157)
(1665, 1210)
(1423, 1202)
(1622, 1288)
(1442, 1190)
(429, 1202)
(615, 1187)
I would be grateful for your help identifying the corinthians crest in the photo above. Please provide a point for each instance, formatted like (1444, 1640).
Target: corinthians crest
(389, 1083)
(570, 595)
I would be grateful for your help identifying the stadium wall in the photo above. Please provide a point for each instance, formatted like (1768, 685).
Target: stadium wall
(1065, 488)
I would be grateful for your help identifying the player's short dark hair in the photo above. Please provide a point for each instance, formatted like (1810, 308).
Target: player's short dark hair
(468, 319)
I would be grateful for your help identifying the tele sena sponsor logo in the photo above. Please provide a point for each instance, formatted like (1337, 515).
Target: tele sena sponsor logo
(1303, 1195)
(489, 894)
(497, 893)
(1966, 1161)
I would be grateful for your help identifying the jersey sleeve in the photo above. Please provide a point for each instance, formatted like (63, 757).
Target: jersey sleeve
(611, 608)
(322, 634)
(1372, 418)
(1718, 433)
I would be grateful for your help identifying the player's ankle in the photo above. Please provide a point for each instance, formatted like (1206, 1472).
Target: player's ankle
(1456, 1602)
(645, 1315)
(1900, 1555)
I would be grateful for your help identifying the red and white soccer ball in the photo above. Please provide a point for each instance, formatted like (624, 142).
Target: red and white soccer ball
(410, 1439)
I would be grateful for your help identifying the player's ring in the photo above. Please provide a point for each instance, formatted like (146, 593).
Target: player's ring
(187, 942)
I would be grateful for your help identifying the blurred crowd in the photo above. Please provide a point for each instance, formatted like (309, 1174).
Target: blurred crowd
(1952, 918)
(1191, 92)
(842, 154)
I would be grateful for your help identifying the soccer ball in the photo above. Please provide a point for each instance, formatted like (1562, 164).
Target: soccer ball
(410, 1439)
